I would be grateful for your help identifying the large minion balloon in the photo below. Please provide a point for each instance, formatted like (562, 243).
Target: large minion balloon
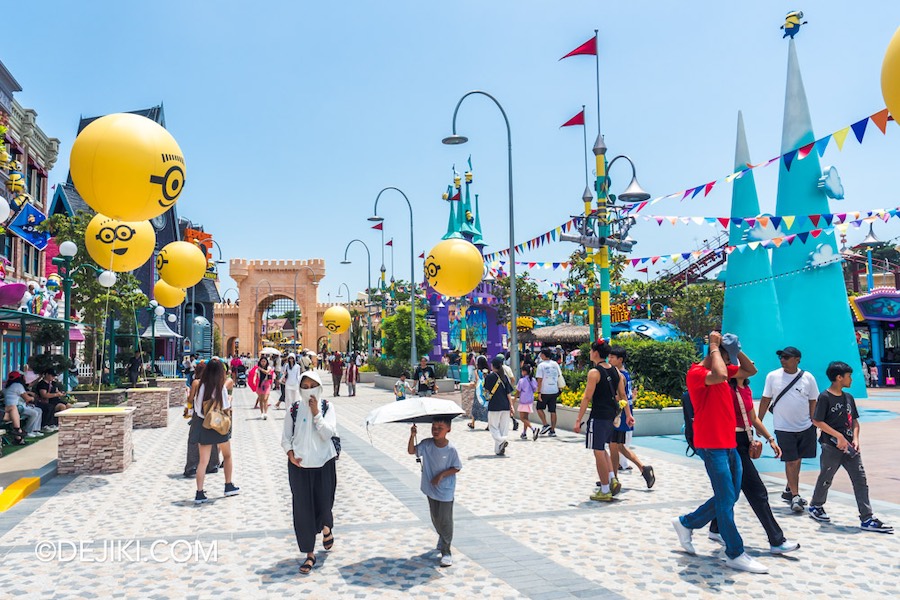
(792, 23)
(119, 246)
(128, 167)
(454, 267)
(890, 75)
(336, 319)
(181, 264)
(168, 296)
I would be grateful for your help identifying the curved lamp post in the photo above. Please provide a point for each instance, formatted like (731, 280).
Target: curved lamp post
(456, 139)
(413, 353)
(368, 289)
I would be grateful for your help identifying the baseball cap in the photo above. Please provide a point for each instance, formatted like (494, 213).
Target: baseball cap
(14, 375)
(789, 351)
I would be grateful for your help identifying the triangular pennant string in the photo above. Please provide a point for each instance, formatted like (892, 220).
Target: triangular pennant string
(859, 129)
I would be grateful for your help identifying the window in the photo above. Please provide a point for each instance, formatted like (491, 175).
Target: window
(6, 244)
(26, 258)
(36, 256)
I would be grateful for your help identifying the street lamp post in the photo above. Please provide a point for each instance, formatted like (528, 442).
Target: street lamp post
(155, 311)
(413, 353)
(455, 139)
(368, 289)
(256, 308)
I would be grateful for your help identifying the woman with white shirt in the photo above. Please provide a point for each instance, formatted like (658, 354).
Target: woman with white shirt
(290, 379)
(308, 430)
(212, 393)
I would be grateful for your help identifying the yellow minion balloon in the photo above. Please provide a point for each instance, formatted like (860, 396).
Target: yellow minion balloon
(128, 167)
(181, 264)
(336, 319)
(166, 295)
(890, 75)
(119, 245)
(454, 267)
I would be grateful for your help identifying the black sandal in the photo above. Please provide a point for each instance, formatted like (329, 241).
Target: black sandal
(471, 425)
(328, 541)
(308, 565)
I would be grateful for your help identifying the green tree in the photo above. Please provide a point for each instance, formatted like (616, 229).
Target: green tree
(530, 302)
(94, 302)
(398, 338)
(699, 309)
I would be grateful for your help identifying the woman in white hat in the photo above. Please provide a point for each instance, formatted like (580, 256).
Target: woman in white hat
(311, 451)
(290, 379)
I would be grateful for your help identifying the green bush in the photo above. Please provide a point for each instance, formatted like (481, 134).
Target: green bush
(657, 366)
(393, 367)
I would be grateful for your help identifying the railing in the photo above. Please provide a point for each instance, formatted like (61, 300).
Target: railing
(168, 368)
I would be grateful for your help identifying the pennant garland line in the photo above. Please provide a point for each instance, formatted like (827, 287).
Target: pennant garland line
(533, 265)
(544, 238)
(880, 119)
(776, 221)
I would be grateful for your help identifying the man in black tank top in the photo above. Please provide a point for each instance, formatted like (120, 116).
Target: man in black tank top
(604, 390)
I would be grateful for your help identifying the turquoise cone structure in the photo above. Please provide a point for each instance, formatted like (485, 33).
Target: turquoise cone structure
(815, 312)
(751, 306)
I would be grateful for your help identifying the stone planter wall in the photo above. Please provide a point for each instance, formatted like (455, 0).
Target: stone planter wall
(387, 383)
(647, 421)
(152, 407)
(367, 376)
(178, 387)
(111, 397)
(95, 441)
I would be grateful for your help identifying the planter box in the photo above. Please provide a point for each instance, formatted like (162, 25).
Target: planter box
(367, 376)
(177, 387)
(110, 397)
(647, 421)
(95, 441)
(152, 407)
(387, 383)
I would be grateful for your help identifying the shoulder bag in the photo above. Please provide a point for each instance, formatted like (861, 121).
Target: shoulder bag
(784, 391)
(215, 418)
(755, 450)
(335, 439)
(560, 380)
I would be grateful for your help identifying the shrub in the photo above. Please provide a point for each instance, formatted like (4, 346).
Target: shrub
(368, 368)
(657, 366)
(393, 367)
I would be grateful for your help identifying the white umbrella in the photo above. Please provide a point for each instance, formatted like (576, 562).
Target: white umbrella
(414, 410)
(270, 351)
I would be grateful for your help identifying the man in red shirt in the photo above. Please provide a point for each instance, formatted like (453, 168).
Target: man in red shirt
(714, 441)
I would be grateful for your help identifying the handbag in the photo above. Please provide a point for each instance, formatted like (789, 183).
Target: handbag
(755, 450)
(216, 419)
(560, 380)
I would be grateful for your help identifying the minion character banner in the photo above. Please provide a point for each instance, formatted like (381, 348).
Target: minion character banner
(25, 226)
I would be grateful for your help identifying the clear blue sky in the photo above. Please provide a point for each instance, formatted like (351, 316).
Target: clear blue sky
(293, 115)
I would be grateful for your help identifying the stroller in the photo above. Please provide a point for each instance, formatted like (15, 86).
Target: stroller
(241, 376)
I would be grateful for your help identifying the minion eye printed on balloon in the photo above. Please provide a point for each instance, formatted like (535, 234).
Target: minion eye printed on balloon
(431, 268)
(123, 233)
(172, 182)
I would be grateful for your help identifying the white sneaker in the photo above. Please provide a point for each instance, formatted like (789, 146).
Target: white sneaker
(785, 547)
(46, 429)
(265, 417)
(745, 562)
(34, 434)
(684, 535)
(446, 560)
(716, 537)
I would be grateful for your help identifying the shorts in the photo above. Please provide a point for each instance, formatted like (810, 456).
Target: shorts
(548, 402)
(797, 444)
(598, 432)
(617, 437)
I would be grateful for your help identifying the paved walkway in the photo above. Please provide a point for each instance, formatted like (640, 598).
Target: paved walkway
(524, 527)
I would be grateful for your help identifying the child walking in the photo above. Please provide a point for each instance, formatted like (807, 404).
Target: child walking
(838, 420)
(440, 464)
(525, 391)
(402, 387)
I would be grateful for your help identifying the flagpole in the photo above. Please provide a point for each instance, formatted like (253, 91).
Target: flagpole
(585, 150)
(597, 57)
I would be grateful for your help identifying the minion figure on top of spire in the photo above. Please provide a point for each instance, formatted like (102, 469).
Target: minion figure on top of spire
(792, 23)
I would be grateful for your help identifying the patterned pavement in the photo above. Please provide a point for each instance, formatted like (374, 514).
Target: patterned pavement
(524, 526)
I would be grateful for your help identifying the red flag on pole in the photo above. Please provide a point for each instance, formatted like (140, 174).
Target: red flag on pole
(643, 270)
(390, 242)
(456, 196)
(422, 255)
(378, 226)
(589, 47)
(576, 120)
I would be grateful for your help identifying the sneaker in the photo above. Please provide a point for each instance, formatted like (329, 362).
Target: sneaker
(787, 496)
(200, 497)
(54, 428)
(265, 417)
(545, 429)
(34, 434)
(503, 446)
(515, 425)
(684, 535)
(535, 432)
(615, 487)
(784, 547)
(446, 560)
(649, 476)
(716, 537)
(873, 524)
(524, 435)
(552, 433)
(797, 504)
(231, 490)
(745, 562)
(625, 469)
(818, 513)
(46, 429)
(601, 496)
(190, 474)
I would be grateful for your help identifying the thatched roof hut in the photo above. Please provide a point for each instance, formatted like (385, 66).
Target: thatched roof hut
(564, 333)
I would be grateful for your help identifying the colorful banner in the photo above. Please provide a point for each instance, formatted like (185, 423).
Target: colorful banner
(776, 221)
(25, 226)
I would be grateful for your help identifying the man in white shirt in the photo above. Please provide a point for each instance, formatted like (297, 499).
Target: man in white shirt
(790, 395)
(547, 375)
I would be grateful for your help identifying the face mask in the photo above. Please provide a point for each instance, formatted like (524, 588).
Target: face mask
(307, 393)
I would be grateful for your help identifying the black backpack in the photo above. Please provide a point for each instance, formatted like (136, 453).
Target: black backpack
(336, 440)
(688, 409)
